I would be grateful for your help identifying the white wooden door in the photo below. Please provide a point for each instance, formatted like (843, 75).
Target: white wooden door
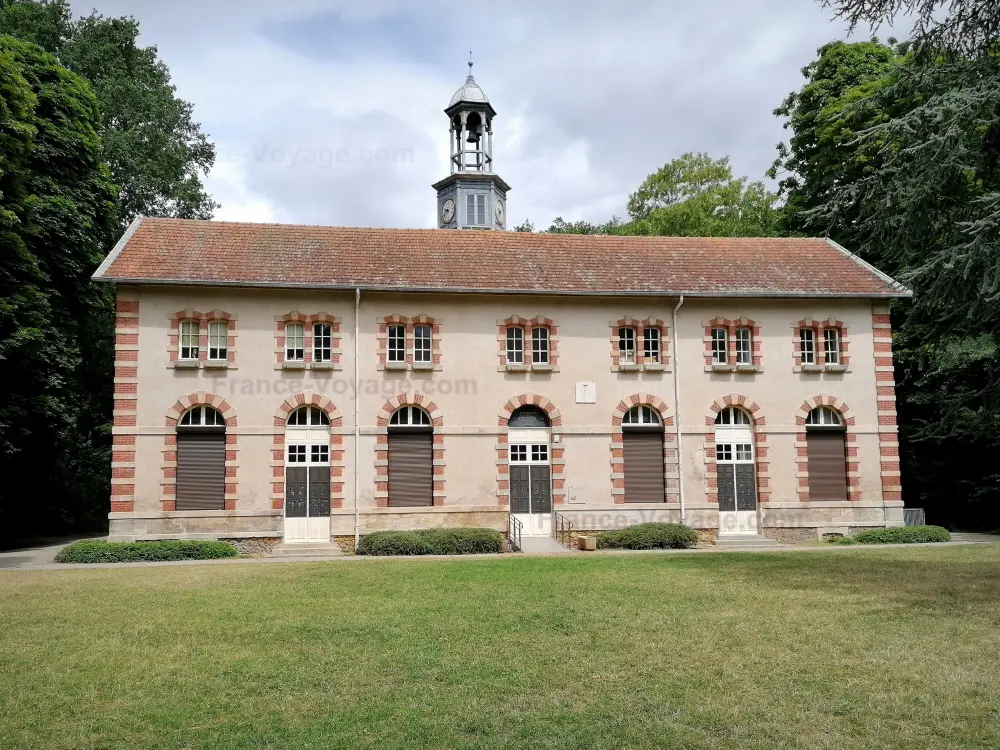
(736, 479)
(531, 483)
(307, 493)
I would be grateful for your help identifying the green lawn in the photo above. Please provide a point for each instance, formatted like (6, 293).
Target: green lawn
(825, 649)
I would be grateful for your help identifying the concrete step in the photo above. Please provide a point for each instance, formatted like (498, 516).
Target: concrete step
(744, 540)
(310, 549)
(542, 545)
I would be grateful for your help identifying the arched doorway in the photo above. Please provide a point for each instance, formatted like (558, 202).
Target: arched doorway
(826, 452)
(736, 472)
(307, 476)
(201, 460)
(642, 451)
(530, 467)
(411, 458)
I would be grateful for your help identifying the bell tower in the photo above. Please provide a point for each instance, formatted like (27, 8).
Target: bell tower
(472, 196)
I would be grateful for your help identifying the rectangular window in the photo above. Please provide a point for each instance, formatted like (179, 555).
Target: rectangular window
(218, 333)
(744, 346)
(807, 345)
(397, 343)
(296, 454)
(720, 345)
(831, 345)
(743, 452)
(518, 453)
(322, 342)
(475, 205)
(515, 345)
(540, 346)
(626, 345)
(723, 452)
(422, 343)
(651, 345)
(295, 342)
(539, 453)
(319, 454)
(189, 339)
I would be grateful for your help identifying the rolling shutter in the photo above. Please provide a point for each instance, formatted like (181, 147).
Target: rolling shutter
(411, 469)
(201, 470)
(643, 452)
(827, 462)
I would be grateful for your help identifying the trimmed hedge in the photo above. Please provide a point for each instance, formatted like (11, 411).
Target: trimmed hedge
(648, 536)
(460, 541)
(903, 535)
(116, 552)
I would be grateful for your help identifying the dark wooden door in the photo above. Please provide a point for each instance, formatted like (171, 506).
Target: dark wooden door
(827, 461)
(541, 489)
(643, 455)
(746, 487)
(201, 470)
(726, 474)
(520, 489)
(319, 491)
(411, 469)
(295, 491)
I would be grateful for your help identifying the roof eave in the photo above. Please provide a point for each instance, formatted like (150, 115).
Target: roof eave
(884, 277)
(101, 273)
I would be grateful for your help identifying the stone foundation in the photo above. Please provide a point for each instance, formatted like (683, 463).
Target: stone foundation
(195, 524)
(790, 536)
(707, 537)
(346, 544)
(258, 547)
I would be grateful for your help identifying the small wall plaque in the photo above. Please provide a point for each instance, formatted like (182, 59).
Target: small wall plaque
(586, 392)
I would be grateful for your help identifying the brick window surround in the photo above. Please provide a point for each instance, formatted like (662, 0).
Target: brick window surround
(670, 466)
(527, 325)
(168, 485)
(202, 319)
(850, 440)
(761, 457)
(885, 391)
(730, 326)
(307, 321)
(408, 324)
(287, 406)
(818, 327)
(640, 326)
(556, 449)
(126, 384)
(382, 445)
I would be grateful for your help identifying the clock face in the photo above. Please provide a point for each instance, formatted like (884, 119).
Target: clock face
(448, 211)
(498, 210)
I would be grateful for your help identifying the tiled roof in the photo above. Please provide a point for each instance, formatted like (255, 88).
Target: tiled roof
(210, 252)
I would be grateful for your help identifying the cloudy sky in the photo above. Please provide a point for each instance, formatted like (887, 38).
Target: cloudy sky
(329, 111)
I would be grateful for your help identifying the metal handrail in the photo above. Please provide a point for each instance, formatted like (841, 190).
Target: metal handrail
(561, 529)
(514, 532)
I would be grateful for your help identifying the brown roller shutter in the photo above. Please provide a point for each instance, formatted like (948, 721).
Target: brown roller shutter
(411, 469)
(827, 465)
(643, 451)
(201, 470)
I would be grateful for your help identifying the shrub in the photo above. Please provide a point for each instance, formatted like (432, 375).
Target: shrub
(115, 552)
(648, 536)
(459, 541)
(903, 535)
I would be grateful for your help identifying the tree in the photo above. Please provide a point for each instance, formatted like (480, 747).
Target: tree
(151, 142)
(57, 214)
(697, 195)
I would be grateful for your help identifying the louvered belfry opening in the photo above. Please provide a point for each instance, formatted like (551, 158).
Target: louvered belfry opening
(411, 458)
(826, 451)
(642, 444)
(201, 460)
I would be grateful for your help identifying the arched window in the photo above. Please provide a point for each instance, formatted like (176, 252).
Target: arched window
(826, 453)
(411, 458)
(736, 475)
(201, 460)
(308, 416)
(642, 450)
(527, 417)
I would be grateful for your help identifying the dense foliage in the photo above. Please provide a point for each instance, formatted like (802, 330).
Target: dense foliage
(648, 536)
(90, 136)
(458, 541)
(903, 535)
(98, 551)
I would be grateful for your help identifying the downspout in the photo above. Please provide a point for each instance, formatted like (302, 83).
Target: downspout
(677, 411)
(357, 426)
